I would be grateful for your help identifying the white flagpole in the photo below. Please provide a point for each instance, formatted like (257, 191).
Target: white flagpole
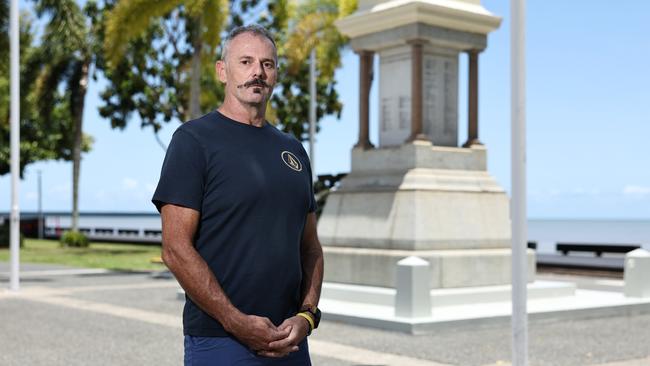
(14, 282)
(312, 110)
(518, 202)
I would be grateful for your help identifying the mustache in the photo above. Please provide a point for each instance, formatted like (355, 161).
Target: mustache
(254, 82)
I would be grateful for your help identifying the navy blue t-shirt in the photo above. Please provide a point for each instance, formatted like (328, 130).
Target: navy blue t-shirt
(253, 189)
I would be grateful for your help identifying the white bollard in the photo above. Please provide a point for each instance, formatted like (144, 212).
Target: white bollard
(637, 273)
(413, 296)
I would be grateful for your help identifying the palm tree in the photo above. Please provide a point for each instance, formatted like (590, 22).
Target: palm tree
(39, 140)
(149, 46)
(313, 27)
(204, 21)
(302, 26)
(68, 46)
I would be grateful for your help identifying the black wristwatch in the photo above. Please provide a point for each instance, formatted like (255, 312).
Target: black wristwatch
(314, 311)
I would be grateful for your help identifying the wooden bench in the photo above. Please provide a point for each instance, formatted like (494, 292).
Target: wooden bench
(599, 249)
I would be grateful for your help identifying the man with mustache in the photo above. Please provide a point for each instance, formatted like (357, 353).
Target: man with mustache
(239, 224)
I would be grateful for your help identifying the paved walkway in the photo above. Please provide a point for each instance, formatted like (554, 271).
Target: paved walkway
(66, 316)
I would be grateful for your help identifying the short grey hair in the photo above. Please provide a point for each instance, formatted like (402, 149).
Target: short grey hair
(255, 29)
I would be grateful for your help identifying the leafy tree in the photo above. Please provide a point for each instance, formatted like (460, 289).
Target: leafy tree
(153, 74)
(40, 139)
(191, 29)
(299, 29)
(151, 78)
(70, 50)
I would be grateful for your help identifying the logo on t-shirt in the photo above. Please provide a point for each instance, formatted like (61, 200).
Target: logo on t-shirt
(291, 161)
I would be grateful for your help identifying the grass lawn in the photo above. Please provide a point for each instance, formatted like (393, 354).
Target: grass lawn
(124, 257)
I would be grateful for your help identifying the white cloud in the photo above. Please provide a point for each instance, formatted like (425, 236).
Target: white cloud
(636, 190)
(31, 196)
(129, 183)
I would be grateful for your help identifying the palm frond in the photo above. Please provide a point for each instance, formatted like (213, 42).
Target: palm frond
(347, 7)
(130, 19)
(46, 86)
(215, 13)
(195, 8)
(313, 27)
(304, 37)
(66, 31)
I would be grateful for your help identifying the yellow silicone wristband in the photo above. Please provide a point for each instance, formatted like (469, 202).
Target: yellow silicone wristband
(309, 319)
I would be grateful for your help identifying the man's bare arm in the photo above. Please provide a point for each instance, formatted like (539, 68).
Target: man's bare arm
(179, 225)
(311, 254)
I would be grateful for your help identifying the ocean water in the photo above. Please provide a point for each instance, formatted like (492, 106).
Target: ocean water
(545, 232)
(548, 232)
(142, 221)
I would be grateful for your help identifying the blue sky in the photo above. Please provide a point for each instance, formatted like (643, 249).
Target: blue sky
(588, 121)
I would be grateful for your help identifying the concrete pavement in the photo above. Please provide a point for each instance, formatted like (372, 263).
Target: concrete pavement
(71, 317)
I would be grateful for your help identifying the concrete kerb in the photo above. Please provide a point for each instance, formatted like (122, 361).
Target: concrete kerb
(418, 328)
(585, 304)
(636, 362)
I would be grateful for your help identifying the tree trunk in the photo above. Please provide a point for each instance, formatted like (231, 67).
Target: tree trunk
(78, 100)
(195, 77)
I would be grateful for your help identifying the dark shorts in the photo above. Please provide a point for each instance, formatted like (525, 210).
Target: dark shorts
(226, 351)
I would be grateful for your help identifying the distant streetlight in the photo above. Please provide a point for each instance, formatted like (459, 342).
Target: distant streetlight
(41, 223)
(14, 233)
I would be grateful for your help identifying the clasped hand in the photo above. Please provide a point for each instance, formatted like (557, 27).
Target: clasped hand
(262, 336)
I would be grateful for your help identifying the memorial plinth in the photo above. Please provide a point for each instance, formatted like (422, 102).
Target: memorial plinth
(418, 193)
(436, 203)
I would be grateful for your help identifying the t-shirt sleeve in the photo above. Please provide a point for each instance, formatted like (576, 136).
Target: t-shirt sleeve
(313, 205)
(182, 176)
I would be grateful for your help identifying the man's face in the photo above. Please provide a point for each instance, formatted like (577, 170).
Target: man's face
(250, 72)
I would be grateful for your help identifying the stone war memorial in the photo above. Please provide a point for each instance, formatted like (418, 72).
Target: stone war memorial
(418, 235)
(418, 194)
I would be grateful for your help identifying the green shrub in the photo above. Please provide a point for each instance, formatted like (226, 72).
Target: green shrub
(4, 237)
(74, 239)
